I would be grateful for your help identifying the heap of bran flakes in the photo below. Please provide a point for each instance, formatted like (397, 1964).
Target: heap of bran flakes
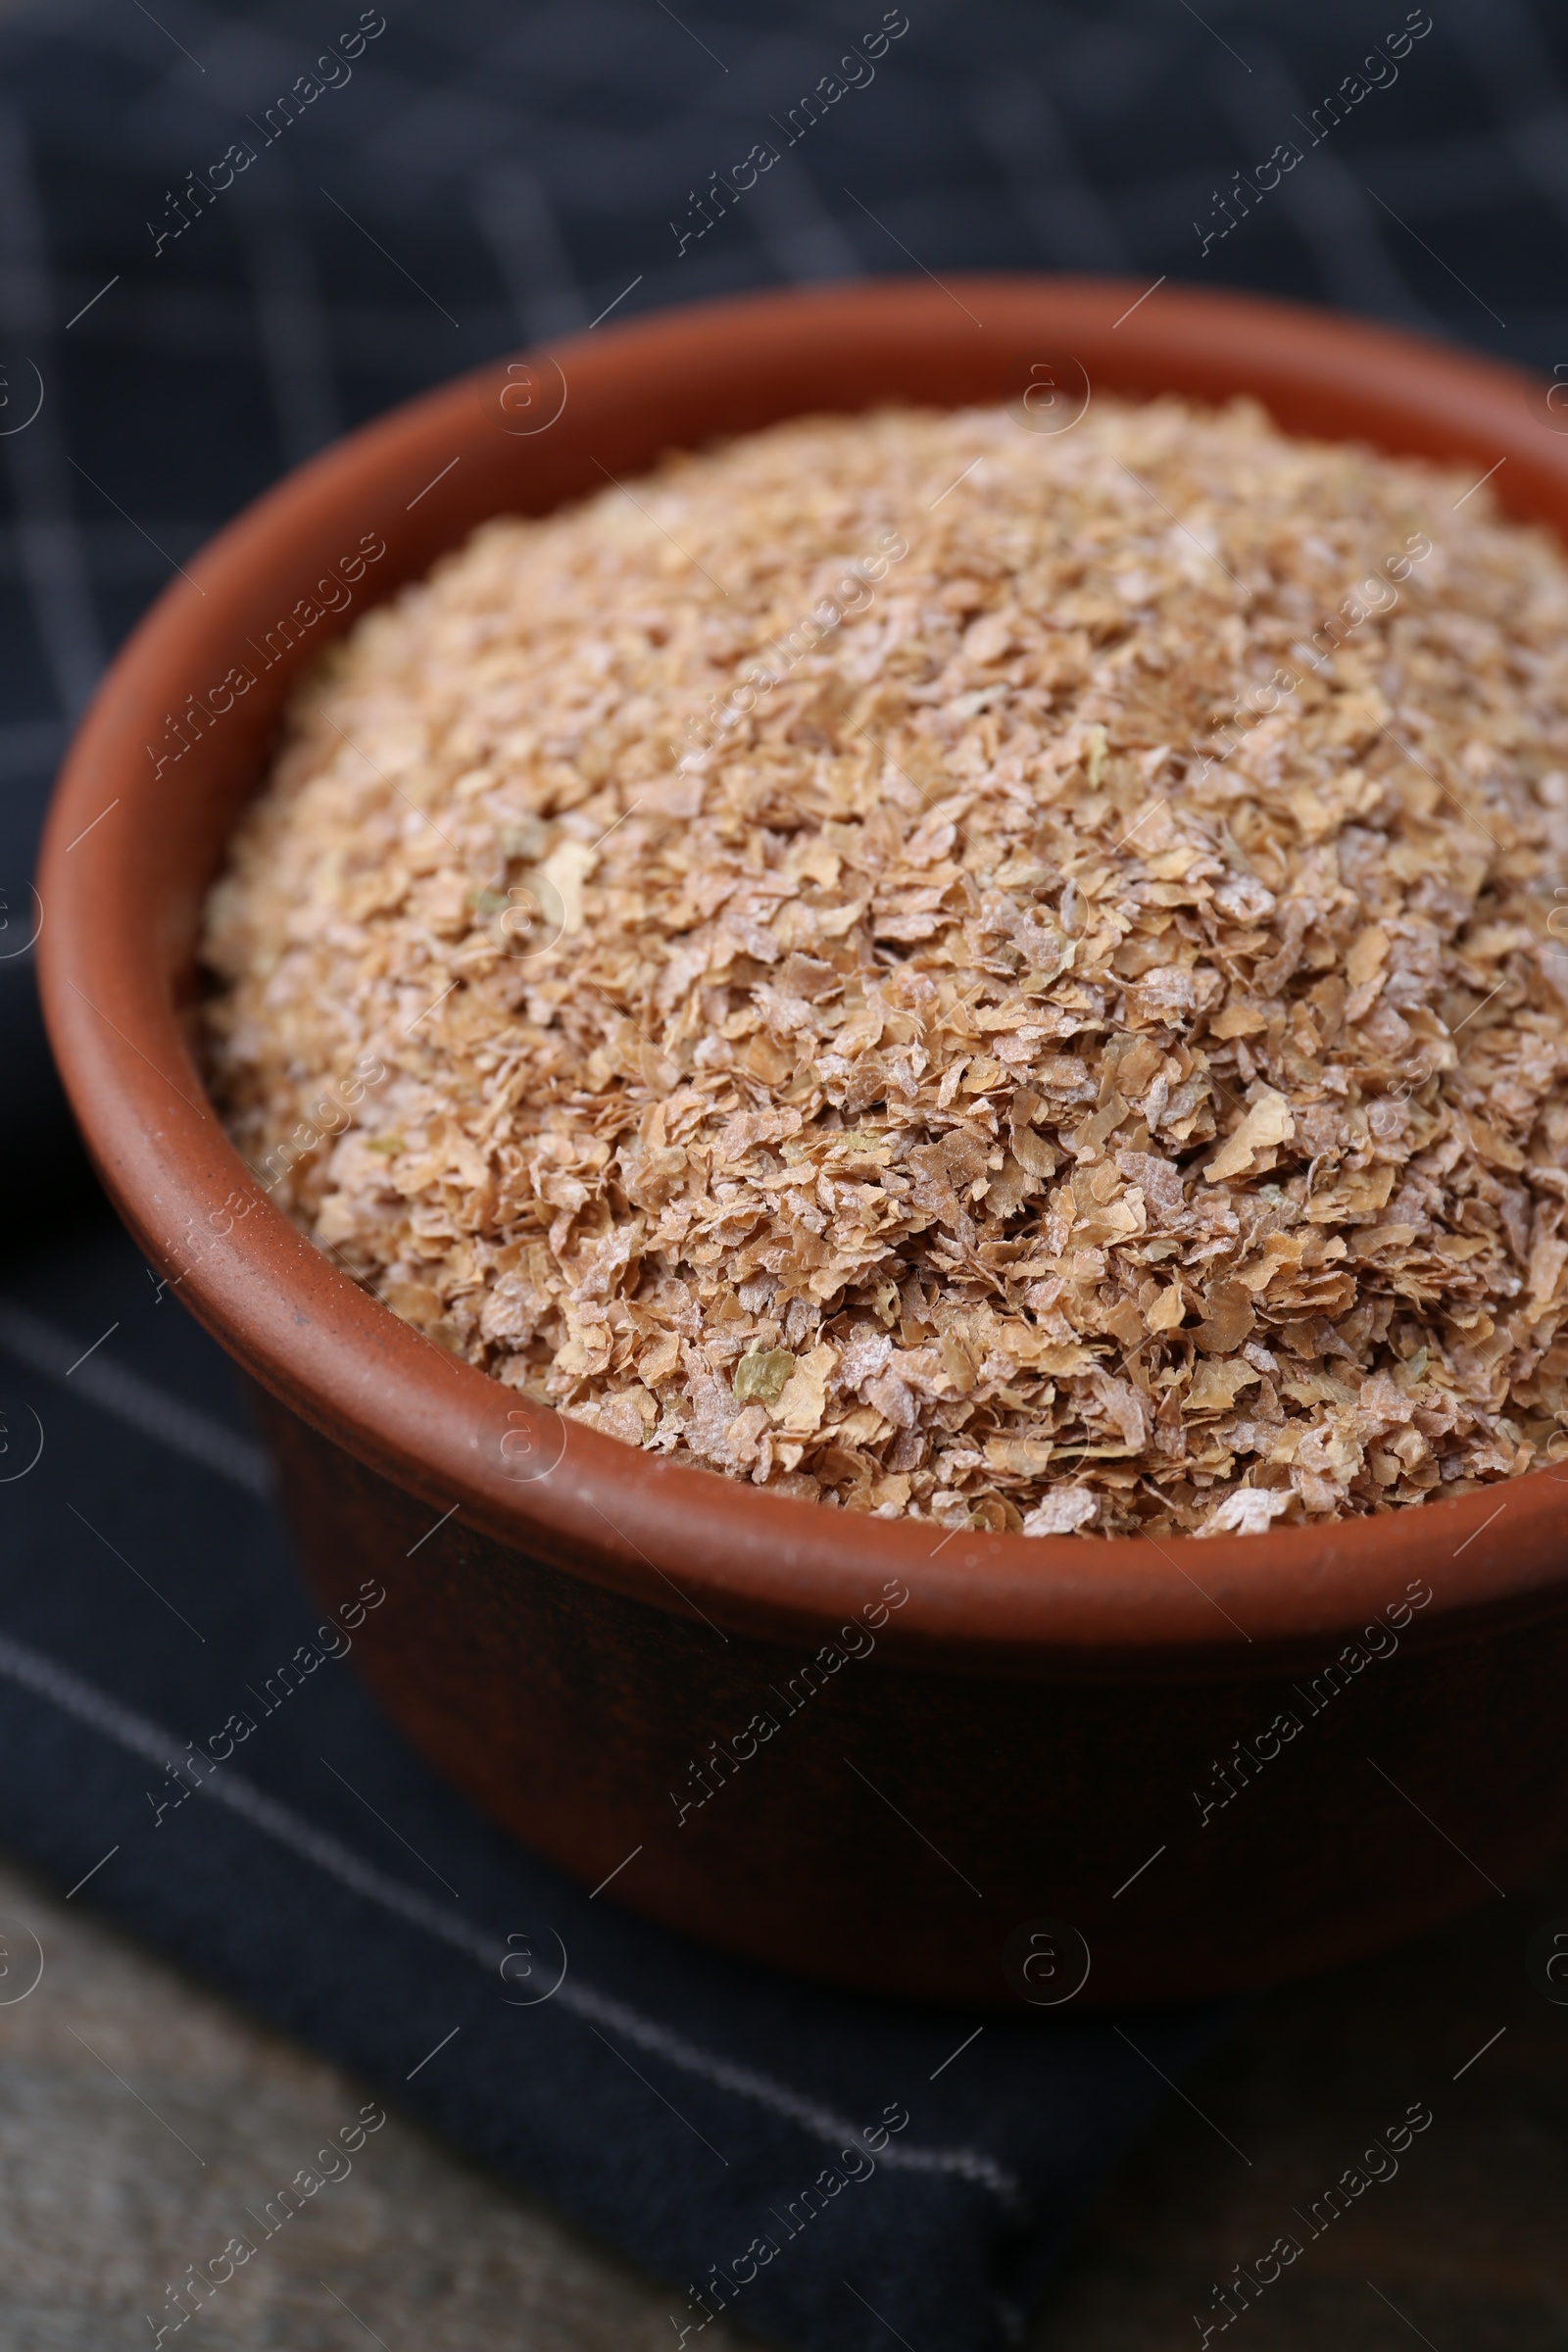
(1026, 1069)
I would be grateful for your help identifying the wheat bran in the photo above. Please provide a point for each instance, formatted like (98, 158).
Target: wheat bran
(1078, 1048)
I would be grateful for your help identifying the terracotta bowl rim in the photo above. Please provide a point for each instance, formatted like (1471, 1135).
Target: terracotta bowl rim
(681, 1537)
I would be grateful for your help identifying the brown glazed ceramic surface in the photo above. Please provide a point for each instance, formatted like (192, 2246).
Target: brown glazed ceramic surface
(588, 1621)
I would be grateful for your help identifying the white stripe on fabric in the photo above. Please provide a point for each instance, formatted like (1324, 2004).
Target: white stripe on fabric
(134, 1401)
(47, 540)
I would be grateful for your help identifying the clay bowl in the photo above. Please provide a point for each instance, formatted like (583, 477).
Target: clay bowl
(582, 1637)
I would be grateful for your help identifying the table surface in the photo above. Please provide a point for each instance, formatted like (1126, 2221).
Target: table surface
(140, 2115)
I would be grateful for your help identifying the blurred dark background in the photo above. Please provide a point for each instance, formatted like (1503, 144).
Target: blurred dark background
(490, 173)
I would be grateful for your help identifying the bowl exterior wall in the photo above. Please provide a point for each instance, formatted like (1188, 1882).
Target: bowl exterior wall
(890, 1827)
